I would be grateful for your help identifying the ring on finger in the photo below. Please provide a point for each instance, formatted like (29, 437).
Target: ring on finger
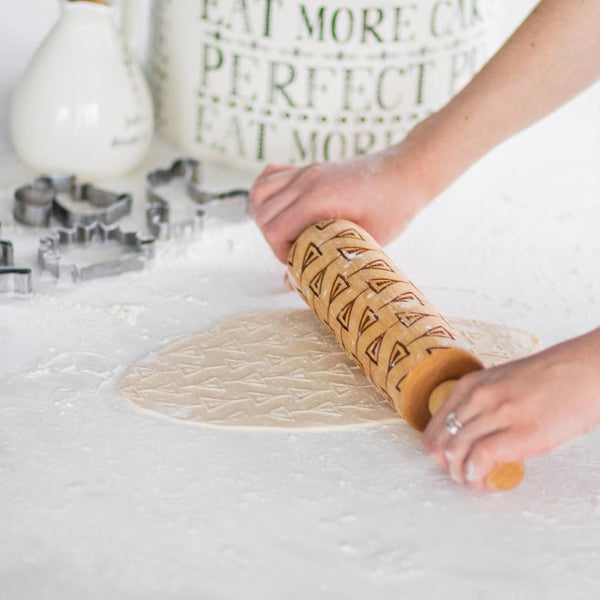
(452, 424)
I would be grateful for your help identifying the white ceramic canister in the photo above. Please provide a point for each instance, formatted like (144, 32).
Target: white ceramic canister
(291, 81)
(83, 105)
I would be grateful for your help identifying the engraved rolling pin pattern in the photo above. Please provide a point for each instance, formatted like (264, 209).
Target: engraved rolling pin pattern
(400, 341)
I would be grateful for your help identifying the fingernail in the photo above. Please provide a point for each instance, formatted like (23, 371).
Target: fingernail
(471, 474)
(448, 455)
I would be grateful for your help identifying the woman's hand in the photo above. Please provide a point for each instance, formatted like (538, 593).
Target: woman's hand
(380, 192)
(530, 76)
(517, 410)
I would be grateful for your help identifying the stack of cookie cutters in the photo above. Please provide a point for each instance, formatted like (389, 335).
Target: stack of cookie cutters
(58, 196)
(137, 250)
(93, 222)
(88, 215)
(230, 205)
(13, 280)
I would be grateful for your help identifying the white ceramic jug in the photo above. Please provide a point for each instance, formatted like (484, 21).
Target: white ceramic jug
(83, 105)
(297, 81)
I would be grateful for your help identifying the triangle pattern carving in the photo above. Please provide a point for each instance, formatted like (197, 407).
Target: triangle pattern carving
(368, 318)
(343, 317)
(311, 254)
(399, 384)
(339, 285)
(374, 348)
(439, 331)
(316, 283)
(324, 225)
(381, 283)
(292, 255)
(349, 233)
(350, 252)
(378, 264)
(410, 318)
(399, 352)
(407, 297)
(433, 349)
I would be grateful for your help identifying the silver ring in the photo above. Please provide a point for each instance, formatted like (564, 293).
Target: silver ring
(453, 425)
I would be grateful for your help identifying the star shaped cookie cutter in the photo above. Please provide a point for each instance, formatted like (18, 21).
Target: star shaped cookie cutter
(13, 280)
(230, 205)
(137, 251)
(58, 196)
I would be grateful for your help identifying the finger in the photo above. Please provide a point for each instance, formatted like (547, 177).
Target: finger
(440, 448)
(269, 185)
(282, 231)
(273, 168)
(435, 432)
(276, 204)
(297, 186)
(456, 448)
(502, 446)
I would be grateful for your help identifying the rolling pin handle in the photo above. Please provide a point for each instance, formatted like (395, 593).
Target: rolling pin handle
(504, 476)
(440, 394)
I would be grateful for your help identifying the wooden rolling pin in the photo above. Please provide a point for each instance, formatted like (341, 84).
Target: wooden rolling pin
(404, 346)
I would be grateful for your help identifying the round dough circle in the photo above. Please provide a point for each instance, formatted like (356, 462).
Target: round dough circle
(280, 369)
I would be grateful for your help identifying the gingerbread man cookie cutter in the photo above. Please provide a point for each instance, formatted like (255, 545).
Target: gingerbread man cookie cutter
(230, 205)
(13, 280)
(137, 251)
(71, 203)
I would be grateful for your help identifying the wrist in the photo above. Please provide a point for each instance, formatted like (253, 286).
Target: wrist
(428, 158)
(446, 150)
(447, 143)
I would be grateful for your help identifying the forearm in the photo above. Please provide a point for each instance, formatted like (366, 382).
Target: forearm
(554, 55)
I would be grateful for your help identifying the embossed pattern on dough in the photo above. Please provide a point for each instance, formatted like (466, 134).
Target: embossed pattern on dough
(280, 369)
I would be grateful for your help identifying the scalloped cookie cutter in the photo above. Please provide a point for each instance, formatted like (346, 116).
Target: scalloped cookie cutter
(137, 251)
(230, 205)
(13, 280)
(58, 196)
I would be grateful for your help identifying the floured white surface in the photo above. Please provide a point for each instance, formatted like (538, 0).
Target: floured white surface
(99, 501)
(281, 369)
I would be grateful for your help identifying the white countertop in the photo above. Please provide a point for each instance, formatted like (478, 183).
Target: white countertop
(100, 501)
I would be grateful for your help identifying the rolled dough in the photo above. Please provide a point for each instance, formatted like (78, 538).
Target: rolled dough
(280, 369)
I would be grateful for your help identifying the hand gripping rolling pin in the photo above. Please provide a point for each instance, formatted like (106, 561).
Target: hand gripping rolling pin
(404, 346)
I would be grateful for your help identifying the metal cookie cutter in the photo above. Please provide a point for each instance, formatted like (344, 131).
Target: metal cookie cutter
(137, 251)
(58, 196)
(7, 255)
(231, 205)
(12, 280)
(15, 281)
